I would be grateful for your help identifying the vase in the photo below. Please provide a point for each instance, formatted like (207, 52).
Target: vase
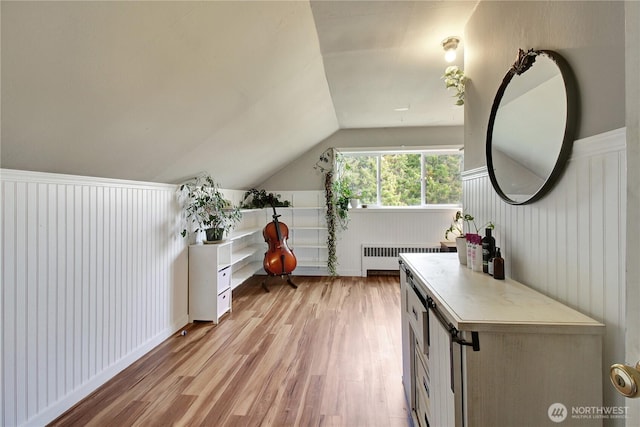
(355, 203)
(199, 237)
(461, 247)
(214, 234)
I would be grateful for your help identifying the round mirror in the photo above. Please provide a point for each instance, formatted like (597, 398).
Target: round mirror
(532, 126)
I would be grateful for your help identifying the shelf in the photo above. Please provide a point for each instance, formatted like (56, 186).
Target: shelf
(302, 246)
(244, 253)
(244, 273)
(307, 228)
(306, 263)
(239, 234)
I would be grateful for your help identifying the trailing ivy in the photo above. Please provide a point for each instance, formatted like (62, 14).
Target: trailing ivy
(326, 166)
(330, 216)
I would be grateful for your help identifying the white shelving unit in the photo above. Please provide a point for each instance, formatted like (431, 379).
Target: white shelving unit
(215, 270)
(247, 246)
(307, 230)
(209, 281)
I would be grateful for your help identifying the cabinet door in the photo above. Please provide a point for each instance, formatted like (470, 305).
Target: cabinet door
(444, 375)
(407, 342)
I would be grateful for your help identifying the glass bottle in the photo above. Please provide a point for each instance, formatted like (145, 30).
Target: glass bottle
(488, 249)
(498, 266)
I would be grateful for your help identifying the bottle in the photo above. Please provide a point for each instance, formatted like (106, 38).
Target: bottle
(488, 249)
(476, 252)
(498, 266)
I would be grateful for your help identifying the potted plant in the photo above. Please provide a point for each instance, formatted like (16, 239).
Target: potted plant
(206, 208)
(454, 78)
(457, 228)
(338, 195)
(258, 199)
(342, 195)
(355, 199)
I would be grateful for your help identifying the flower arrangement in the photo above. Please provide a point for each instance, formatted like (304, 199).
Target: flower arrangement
(454, 78)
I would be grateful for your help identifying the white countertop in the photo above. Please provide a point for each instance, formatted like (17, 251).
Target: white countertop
(475, 301)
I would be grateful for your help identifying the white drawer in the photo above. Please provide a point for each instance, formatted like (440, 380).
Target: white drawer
(224, 279)
(224, 302)
(418, 318)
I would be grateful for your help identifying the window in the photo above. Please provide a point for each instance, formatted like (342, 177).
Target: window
(403, 178)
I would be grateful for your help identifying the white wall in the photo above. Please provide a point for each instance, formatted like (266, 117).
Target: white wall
(94, 275)
(588, 34)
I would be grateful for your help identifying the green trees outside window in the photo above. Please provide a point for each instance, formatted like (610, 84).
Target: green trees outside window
(404, 178)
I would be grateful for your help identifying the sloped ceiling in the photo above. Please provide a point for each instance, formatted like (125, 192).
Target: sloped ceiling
(160, 91)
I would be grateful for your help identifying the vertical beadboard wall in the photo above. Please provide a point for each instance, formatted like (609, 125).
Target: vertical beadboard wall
(571, 244)
(389, 226)
(94, 275)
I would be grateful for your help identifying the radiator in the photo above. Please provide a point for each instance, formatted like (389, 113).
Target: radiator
(384, 257)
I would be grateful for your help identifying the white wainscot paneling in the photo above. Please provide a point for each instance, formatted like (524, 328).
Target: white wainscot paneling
(391, 226)
(571, 244)
(94, 275)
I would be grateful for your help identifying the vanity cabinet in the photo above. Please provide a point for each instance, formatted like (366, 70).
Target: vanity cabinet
(483, 352)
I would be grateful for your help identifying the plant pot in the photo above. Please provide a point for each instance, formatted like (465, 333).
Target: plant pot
(214, 234)
(461, 247)
(354, 203)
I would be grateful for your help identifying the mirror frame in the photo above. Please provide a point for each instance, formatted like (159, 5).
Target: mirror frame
(524, 61)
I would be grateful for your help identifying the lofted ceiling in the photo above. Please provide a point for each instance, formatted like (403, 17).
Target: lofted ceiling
(160, 91)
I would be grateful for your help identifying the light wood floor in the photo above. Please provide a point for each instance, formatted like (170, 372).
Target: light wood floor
(326, 354)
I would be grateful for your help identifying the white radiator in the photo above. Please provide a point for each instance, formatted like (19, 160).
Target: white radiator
(384, 257)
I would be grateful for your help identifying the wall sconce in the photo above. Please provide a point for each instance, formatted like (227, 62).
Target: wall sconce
(450, 44)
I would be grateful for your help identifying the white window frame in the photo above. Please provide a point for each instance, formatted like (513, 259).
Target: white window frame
(378, 151)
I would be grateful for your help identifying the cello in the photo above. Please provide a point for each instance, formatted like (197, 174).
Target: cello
(279, 260)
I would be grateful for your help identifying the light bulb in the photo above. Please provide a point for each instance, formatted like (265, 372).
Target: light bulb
(450, 44)
(450, 55)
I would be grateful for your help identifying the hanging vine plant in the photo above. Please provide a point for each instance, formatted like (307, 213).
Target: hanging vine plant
(332, 259)
(326, 166)
(454, 78)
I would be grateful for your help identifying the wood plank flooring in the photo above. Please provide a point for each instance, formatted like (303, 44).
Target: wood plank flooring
(325, 354)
